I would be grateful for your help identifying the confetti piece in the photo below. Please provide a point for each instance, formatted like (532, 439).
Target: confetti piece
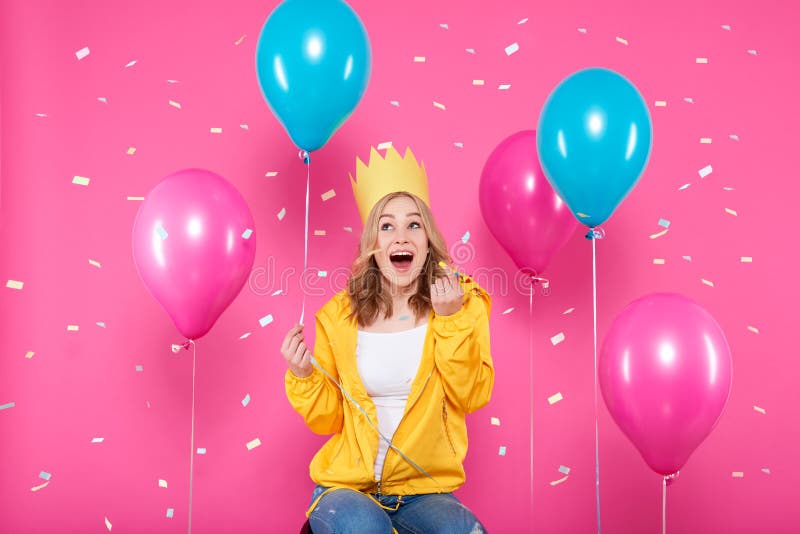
(29, 354)
(278, 292)
(139, 368)
(664, 222)
(239, 40)
(130, 64)
(512, 48)
(80, 180)
(508, 311)
(705, 140)
(72, 328)
(40, 486)
(348, 229)
(322, 274)
(97, 440)
(173, 81)
(458, 145)
(731, 212)
(502, 451)
(7, 405)
(82, 53)
(131, 151)
(582, 215)
(738, 474)
(701, 60)
(201, 450)
(568, 310)
(161, 232)
(14, 284)
(752, 52)
(465, 237)
(504, 86)
(753, 329)
(445, 26)
(658, 261)
(101, 324)
(170, 513)
(244, 127)
(705, 171)
(245, 335)
(687, 258)
(329, 194)
(734, 137)
(558, 338)
(419, 59)
(661, 103)
(563, 469)
(582, 30)
(728, 189)
(247, 233)
(44, 475)
(684, 186)
(438, 105)
(281, 214)
(765, 470)
(495, 421)
(726, 27)
(216, 130)
(174, 104)
(108, 524)
(523, 21)
(135, 198)
(746, 259)
(470, 50)
(688, 99)
(162, 483)
(264, 321)
(395, 103)
(760, 410)
(41, 114)
(478, 82)
(253, 444)
(555, 398)
(659, 234)
(707, 282)
(246, 400)
(623, 41)
(270, 174)
(176, 348)
(559, 481)
(320, 232)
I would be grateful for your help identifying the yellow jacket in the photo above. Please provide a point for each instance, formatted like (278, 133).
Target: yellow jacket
(455, 377)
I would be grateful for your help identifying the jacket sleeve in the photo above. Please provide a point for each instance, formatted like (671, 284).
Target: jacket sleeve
(315, 397)
(462, 355)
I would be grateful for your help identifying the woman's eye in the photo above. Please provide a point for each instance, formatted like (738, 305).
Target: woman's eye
(386, 226)
(415, 225)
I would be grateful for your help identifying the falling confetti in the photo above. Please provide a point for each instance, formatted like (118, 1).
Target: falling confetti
(7, 405)
(278, 292)
(80, 54)
(495, 421)
(478, 82)
(731, 212)
(29, 354)
(270, 174)
(465, 237)
(753, 329)
(395, 103)
(705, 171)
(563, 469)
(72, 328)
(44, 475)
(701, 60)
(135, 198)
(661, 103)
(281, 214)
(512, 48)
(502, 451)
(559, 481)
(97, 440)
(216, 130)
(664, 222)
(320, 232)
(582, 30)
(108, 524)
(170, 512)
(139, 368)
(523, 21)
(101, 324)
(348, 229)
(130, 64)
(684, 186)
(201, 450)
(458, 145)
(419, 59)
(329, 194)
(568, 310)
(162, 483)
(14, 284)
(40, 486)
(445, 26)
(253, 444)
(687, 258)
(245, 335)
(707, 282)
(705, 140)
(765, 470)
(558, 338)
(131, 151)
(734, 137)
(659, 234)
(726, 27)
(247, 233)
(746, 259)
(508, 311)
(438, 105)
(738, 474)
(688, 99)
(659, 261)
(244, 127)
(161, 232)
(239, 40)
(555, 398)
(246, 400)
(322, 274)
(760, 410)
(470, 50)
(174, 104)
(504, 86)
(752, 52)
(623, 41)
(80, 180)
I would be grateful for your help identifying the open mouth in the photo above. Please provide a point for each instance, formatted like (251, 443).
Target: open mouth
(401, 260)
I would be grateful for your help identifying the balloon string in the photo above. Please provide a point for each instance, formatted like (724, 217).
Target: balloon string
(307, 160)
(191, 446)
(530, 361)
(596, 438)
(664, 507)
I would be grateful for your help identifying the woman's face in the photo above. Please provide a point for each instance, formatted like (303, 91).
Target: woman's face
(402, 243)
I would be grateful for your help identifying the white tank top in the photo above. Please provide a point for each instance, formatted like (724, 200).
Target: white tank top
(388, 363)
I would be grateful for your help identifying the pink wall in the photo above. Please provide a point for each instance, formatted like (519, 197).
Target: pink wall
(85, 384)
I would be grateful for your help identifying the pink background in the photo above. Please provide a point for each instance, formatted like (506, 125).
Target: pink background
(82, 385)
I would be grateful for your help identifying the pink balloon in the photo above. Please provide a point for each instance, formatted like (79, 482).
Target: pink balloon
(194, 245)
(665, 373)
(523, 212)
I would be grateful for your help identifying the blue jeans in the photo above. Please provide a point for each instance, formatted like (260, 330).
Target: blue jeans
(346, 511)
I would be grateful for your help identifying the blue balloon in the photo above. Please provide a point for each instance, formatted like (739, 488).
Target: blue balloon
(594, 140)
(313, 62)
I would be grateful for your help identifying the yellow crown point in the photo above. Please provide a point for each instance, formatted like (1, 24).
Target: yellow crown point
(387, 175)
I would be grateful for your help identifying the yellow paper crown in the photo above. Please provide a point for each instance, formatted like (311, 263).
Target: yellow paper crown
(387, 175)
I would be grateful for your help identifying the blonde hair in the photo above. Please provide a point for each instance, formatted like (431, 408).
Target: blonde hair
(369, 298)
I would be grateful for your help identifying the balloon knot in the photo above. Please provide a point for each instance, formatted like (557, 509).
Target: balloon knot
(304, 156)
(595, 233)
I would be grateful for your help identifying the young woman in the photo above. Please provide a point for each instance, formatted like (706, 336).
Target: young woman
(400, 356)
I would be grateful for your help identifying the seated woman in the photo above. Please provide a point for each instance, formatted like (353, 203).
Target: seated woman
(400, 357)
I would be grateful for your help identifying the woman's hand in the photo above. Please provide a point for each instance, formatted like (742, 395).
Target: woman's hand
(446, 293)
(295, 352)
